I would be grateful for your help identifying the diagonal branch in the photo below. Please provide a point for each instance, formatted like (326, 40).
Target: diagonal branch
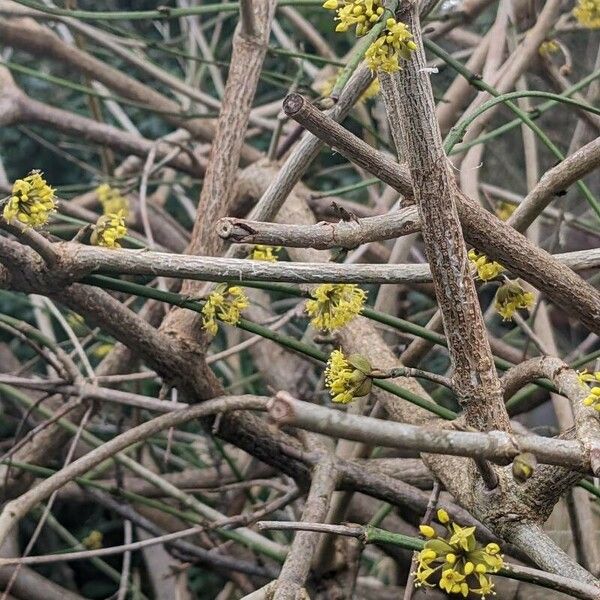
(482, 229)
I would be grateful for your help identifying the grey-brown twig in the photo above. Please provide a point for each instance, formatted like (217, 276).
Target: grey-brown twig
(296, 568)
(481, 229)
(496, 446)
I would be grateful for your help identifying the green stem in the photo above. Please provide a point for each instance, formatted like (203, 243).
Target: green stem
(284, 340)
(312, 57)
(307, 350)
(372, 535)
(382, 512)
(480, 84)
(163, 13)
(346, 188)
(539, 110)
(589, 487)
(458, 131)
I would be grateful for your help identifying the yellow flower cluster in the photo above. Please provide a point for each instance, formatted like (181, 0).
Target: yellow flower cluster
(265, 253)
(593, 398)
(505, 210)
(510, 297)
(326, 87)
(362, 13)
(93, 541)
(523, 466)
(225, 304)
(587, 13)
(347, 378)
(548, 47)
(372, 91)
(32, 201)
(335, 304)
(396, 42)
(101, 350)
(77, 324)
(464, 563)
(108, 230)
(111, 200)
(486, 269)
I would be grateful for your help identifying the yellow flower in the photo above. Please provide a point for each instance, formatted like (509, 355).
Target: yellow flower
(32, 201)
(225, 304)
(347, 378)
(372, 91)
(111, 200)
(427, 530)
(394, 43)
(335, 304)
(265, 253)
(77, 324)
(548, 47)
(423, 573)
(93, 541)
(486, 269)
(585, 377)
(505, 210)
(360, 13)
(593, 399)
(463, 537)
(109, 229)
(510, 297)
(453, 582)
(102, 350)
(523, 466)
(463, 561)
(587, 13)
(486, 587)
(325, 88)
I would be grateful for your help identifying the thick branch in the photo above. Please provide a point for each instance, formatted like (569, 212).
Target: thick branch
(482, 229)
(408, 97)
(497, 446)
(77, 260)
(246, 63)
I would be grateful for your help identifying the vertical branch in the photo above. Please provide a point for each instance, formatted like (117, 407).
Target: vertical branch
(247, 16)
(297, 563)
(218, 187)
(217, 191)
(411, 110)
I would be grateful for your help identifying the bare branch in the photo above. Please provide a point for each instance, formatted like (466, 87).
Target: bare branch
(482, 229)
(498, 446)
